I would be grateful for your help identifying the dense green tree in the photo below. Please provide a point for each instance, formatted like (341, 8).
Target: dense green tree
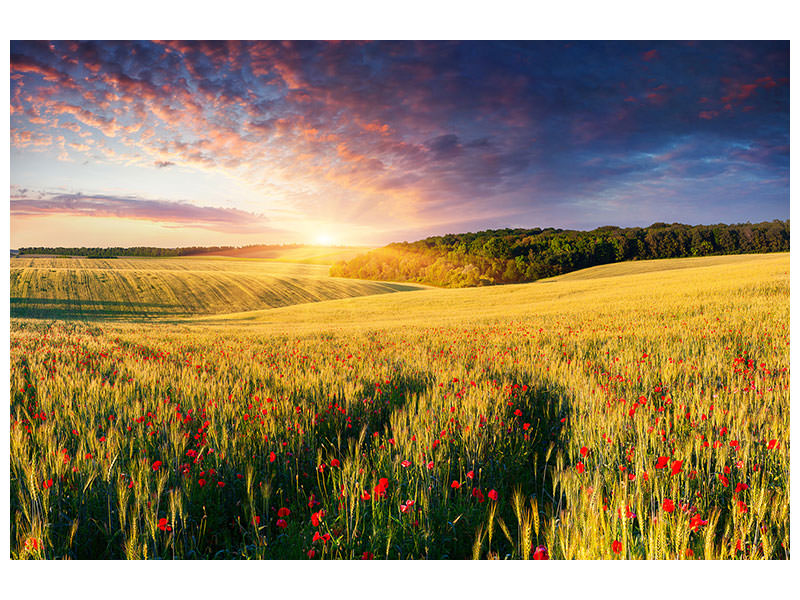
(517, 255)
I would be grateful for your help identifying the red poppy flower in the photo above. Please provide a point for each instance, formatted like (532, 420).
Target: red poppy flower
(492, 495)
(741, 486)
(365, 495)
(284, 512)
(580, 468)
(318, 537)
(772, 444)
(221, 484)
(367, 556)
(48, 483)
(662, 462)
(668, 505)
(696, 521)
(723, 479)
(616, 546)
(455, 485)
(157, 465)
(380, 489)
(470, 474)
(201, 482)
(584, 451)
(316, 517)
(541, 553)
(163, 526)
(676, 466)
(281, 523)
(311, 553)
(406, 463)
(256, 520)
(335, 462)
(272, 457)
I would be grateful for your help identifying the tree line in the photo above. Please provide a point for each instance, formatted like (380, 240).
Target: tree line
(524, 255)
(146, 250)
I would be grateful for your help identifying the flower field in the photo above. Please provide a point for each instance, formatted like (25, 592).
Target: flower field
(640, 413)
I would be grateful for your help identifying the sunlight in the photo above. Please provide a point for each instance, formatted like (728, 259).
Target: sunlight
(323, 239)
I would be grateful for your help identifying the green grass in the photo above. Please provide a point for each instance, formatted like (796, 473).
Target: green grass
(171, 288)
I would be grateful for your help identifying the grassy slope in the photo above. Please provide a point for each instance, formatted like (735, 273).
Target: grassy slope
(265, 292)
(65, 288)
(588, 292)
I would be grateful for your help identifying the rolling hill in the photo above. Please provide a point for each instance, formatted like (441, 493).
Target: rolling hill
(642, 285)
(131, 288)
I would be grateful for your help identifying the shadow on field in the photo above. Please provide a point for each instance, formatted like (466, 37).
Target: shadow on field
(58, 308)
(401, 287)
(547, 408)
(503, 453)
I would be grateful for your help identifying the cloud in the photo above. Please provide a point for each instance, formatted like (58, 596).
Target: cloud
(227, 220)
(358, 130)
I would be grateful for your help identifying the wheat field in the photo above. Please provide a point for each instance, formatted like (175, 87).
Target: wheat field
(632, 411)
(169, 288)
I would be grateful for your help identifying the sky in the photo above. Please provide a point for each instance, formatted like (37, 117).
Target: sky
(234, 143)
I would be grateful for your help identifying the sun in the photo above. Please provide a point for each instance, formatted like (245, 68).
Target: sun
(324, 239)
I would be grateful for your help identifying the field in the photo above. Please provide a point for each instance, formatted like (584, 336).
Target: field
(637, 410)
(169, 288)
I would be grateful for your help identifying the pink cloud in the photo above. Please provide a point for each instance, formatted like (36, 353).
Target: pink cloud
(160, 211)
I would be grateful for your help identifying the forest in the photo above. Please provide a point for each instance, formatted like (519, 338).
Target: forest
(524, 255)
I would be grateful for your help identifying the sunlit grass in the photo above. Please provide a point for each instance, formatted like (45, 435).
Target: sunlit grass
(170, 288)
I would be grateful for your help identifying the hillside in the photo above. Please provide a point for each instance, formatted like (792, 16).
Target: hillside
(643, 285)
(124, 288)
(524, 255)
